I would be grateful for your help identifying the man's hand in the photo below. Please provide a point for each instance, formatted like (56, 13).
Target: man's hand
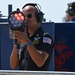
(21, 36)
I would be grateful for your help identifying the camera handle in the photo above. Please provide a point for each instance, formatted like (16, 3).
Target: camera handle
(17, 44)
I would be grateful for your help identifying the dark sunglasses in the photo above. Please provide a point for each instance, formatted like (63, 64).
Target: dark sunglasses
(29, 15)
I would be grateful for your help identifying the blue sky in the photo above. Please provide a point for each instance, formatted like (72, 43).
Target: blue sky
(54, 9)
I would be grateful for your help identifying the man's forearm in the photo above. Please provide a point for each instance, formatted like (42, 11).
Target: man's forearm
(14, 59)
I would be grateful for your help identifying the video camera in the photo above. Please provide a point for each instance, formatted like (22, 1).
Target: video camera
(16, 20)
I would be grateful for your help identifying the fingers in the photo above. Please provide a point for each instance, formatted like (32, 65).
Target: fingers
(15, 35)
(20, 36)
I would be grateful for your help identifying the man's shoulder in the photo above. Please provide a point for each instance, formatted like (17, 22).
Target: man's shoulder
(71, 22)
(46, 34)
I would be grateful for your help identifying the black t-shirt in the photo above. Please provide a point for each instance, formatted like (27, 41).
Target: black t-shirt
(41, 41)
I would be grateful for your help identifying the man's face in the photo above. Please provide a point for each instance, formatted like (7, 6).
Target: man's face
(68, 16)
(30, 17)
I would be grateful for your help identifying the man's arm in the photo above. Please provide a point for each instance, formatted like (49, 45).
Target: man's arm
(14, 59)
(39, 57)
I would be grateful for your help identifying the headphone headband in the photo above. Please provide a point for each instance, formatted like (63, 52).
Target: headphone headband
(32, 4)
(39, 13)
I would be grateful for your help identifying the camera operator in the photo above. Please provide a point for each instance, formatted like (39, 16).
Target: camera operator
(70, 13)
(36, 46)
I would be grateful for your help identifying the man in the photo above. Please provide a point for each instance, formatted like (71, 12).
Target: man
(70, 13)
(36, 45)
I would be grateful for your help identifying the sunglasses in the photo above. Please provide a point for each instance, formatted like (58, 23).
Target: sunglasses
(29, 15)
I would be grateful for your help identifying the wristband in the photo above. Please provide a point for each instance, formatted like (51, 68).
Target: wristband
(29, 44)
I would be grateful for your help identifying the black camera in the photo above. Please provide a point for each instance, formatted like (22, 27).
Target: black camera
(16, 20)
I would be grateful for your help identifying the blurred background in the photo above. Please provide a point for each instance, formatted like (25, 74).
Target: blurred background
(54, 9)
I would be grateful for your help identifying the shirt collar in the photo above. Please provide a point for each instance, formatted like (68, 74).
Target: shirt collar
(73, 19)
(37, 33)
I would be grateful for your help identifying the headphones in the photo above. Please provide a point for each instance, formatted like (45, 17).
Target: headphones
(39, 13)
(71, 9)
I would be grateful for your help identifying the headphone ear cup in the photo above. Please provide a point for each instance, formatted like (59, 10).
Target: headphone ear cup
(71, 12)
(39, 16)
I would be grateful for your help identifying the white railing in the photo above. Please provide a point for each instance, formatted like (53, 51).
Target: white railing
(19, 72)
